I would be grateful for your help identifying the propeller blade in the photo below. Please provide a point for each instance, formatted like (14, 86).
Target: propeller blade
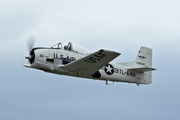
(30, 42)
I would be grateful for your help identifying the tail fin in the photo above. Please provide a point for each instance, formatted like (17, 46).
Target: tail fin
(144, 58)
(143, 61)
(142, 64)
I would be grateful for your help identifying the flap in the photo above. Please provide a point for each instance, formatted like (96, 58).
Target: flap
(91, 63)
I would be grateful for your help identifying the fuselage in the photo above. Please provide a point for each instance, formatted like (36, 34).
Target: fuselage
(50, 60)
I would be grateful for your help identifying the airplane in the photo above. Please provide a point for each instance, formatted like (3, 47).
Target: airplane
(73, 60)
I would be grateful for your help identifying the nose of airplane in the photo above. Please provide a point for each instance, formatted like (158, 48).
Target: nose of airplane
(31, 57)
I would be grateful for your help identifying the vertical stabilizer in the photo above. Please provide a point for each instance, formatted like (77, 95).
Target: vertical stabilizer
(142, 64)
(144, 58)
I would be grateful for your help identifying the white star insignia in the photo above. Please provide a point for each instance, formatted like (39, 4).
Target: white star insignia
(108, 68)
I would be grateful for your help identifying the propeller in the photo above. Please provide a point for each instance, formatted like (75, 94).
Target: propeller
(30, 44)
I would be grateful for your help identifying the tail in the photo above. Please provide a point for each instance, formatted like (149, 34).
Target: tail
(144, 58)
(142, 64)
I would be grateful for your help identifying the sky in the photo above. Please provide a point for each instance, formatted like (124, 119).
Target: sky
(121, 26)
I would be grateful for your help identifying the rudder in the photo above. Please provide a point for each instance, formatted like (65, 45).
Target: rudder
(144, 58)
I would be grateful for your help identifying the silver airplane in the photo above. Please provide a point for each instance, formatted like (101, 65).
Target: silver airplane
(73, 60)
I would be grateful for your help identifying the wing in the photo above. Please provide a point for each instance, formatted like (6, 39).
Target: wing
(91, 63)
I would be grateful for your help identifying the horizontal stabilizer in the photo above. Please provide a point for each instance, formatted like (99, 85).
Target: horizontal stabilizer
(142, 69)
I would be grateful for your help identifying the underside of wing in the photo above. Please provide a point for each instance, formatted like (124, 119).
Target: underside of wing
(91, 63)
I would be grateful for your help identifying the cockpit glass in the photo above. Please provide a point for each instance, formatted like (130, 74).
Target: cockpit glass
(71, 47)
(60, 46)
(55, 46)
(80, 49)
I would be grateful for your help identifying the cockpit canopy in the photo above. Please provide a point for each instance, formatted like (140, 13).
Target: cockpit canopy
(71, 47)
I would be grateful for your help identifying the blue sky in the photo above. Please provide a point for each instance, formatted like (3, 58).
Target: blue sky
(122, 26)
